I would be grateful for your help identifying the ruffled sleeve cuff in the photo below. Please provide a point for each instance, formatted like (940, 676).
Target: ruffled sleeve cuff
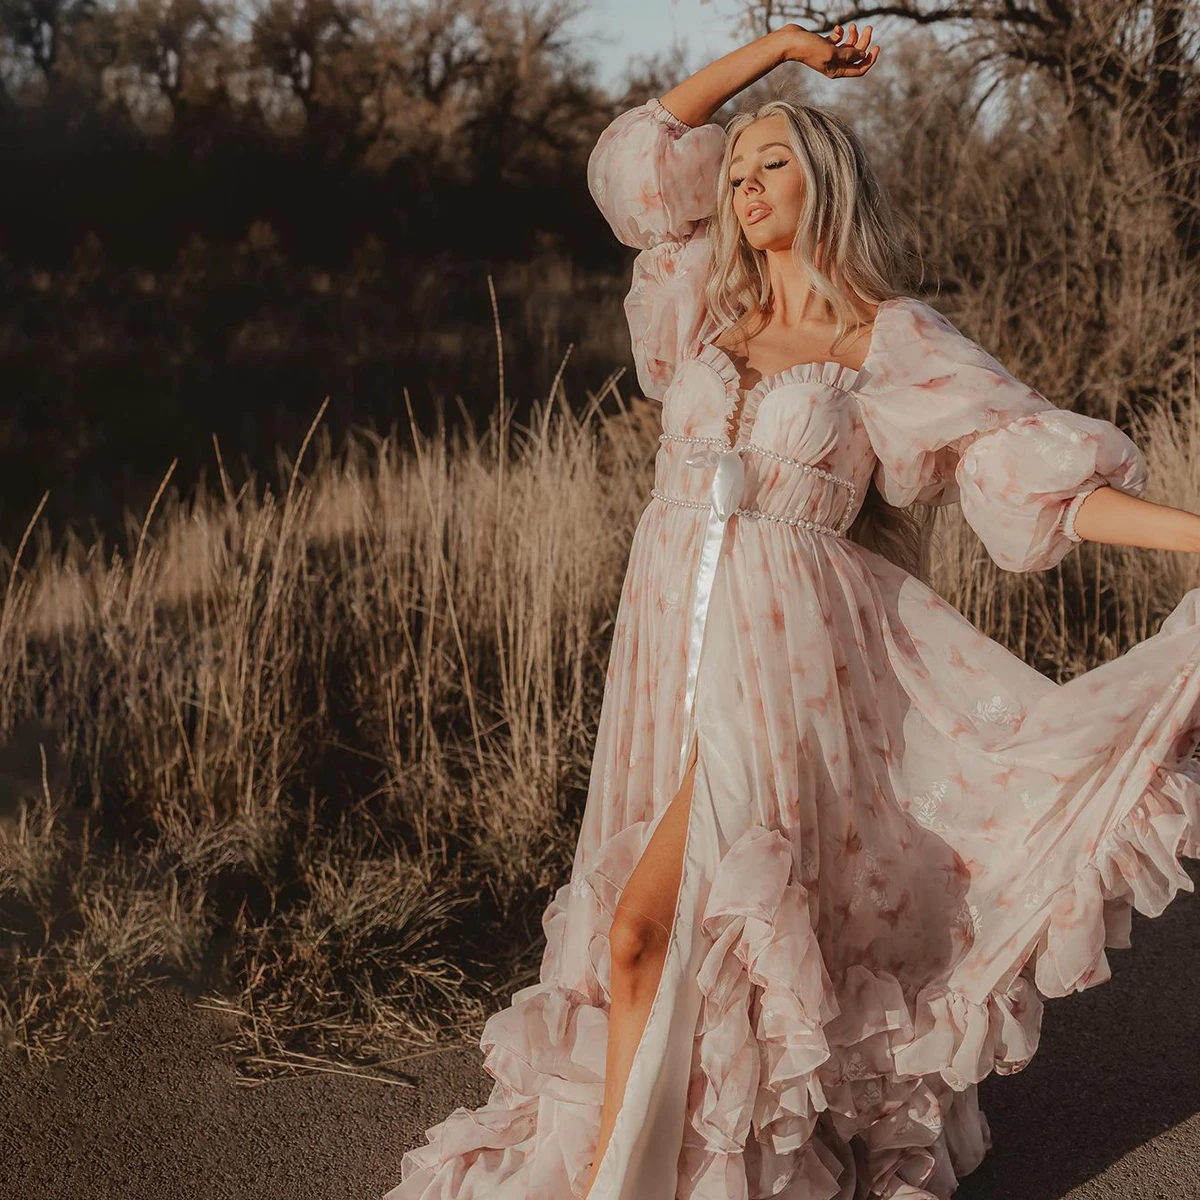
(659, 110)
(1073, 508)
(1020, 486)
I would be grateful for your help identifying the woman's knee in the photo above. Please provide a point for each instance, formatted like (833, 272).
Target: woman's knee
(638, 947)
(640, 928)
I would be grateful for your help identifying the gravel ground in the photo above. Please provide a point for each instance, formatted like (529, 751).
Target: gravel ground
(1109, 1109)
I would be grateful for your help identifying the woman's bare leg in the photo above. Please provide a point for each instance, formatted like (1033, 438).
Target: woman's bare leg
(638, 943)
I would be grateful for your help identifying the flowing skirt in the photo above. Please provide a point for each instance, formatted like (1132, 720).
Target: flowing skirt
(901, 839)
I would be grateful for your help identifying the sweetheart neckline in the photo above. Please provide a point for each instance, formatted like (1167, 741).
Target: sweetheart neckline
(842, 370)
(844, 378)
(828, 371)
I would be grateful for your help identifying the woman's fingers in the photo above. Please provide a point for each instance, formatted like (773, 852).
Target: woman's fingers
(853, 35)
(856, 39)
(861, 62)
(868, 62)
(853, 54)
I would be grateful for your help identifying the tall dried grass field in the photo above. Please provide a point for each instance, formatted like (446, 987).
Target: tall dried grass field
(317, 749)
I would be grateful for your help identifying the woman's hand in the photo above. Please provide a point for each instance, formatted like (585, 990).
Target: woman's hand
(831, 56)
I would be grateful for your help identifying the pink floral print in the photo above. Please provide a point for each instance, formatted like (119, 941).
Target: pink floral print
(902, 838)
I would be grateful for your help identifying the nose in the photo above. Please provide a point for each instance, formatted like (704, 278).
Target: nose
(752, 191)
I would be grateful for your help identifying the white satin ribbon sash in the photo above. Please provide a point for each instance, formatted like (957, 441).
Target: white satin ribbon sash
(725, 496)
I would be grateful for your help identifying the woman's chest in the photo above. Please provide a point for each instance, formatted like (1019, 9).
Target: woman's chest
(805, 412)
(802, 451)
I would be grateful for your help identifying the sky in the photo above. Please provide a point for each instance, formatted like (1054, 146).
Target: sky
(615, 29)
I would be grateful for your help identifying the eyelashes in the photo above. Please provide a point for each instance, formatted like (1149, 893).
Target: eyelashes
(769, 166)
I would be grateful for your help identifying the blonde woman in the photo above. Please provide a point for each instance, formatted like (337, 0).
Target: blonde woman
(838, 845)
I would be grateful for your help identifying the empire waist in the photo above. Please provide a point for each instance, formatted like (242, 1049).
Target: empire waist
(751, 481)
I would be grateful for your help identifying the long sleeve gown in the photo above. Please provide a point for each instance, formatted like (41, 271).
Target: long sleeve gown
(901, 836)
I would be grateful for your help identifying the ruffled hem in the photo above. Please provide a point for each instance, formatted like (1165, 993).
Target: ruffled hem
(1138, 865)
(788, 1067)
(546, 1052)
(796, 1074)
(780, 1047)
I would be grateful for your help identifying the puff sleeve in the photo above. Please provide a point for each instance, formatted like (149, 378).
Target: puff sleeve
(654, 179)
(948, 423)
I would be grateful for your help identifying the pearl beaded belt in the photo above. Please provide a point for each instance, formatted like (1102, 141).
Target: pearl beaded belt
(729, 478)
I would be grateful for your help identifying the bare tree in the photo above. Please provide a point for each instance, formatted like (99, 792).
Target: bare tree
(479, 82)
(441, 49)
(64, 42)
(313, 47)
(521, 84)
(1133, 58)
(178, 45)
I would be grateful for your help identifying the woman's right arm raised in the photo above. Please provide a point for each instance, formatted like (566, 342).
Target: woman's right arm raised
(653, 175)
(700, 95)
(653, 170)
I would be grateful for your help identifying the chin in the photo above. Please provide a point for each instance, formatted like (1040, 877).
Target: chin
(769, 243)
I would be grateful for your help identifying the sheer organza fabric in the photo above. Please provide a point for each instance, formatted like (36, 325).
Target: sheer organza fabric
(902, 838)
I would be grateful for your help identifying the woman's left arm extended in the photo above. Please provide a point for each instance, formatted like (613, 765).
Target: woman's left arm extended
(948, 422)
(1113, 516)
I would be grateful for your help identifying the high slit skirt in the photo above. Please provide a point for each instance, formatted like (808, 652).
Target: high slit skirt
(901, 839)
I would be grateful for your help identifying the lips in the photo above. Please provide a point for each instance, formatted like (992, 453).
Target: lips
(756, 212)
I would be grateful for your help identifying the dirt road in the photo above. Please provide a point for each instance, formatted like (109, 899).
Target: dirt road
(1108, 1110)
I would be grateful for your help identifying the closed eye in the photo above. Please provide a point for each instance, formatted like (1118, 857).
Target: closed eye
(782, 162)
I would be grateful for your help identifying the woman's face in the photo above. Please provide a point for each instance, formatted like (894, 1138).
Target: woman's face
(767, 183)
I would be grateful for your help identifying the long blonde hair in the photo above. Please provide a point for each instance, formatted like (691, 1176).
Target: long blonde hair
(848, 231)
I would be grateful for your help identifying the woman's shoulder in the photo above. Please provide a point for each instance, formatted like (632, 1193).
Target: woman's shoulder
(906, 323)
(920, 313)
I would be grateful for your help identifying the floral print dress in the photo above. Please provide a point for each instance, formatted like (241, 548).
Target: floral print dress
(901, 836)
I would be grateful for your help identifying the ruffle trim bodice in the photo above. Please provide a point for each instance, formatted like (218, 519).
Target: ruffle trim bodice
(832, 374)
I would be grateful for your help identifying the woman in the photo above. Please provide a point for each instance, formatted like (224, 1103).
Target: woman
(829, 868)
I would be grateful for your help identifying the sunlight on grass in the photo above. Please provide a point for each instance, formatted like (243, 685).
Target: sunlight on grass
(318, 753)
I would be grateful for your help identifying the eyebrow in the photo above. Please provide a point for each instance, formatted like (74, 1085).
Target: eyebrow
(764, 146)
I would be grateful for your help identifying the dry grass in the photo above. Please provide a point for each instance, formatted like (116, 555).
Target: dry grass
(320, 757)
(311, 753)
(319, 752)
